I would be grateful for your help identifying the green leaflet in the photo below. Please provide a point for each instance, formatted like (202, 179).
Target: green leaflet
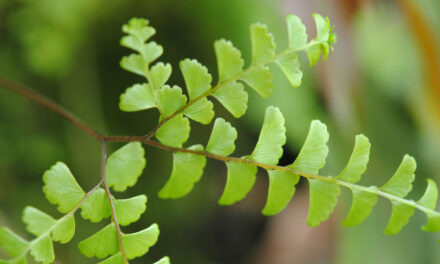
(263, 45)
(197, 78)
(150, 52)
(361, 207)
(233, 97)
(260, 79)
(124, 166)
(429, 200)
(134, 63)
(290, 65)
(137, 244)
(64, 230)
(401, 182)
(170, 99)
(281, 190)
(96, 206)
(296, 32)
(115, 259)
(37, 222)
(164, 260)
(175, 132)
(223, 136)
(139, 27)
(103, 243)
(130, 210)
(159, 74)
(323, 199)
(201, 111)
(324, 37)
(12, 243)
(187, 170)
(229, 61)
(314, 53)
(137, 97)
(269, 148)
(240, 179)
(357, 164)
(401, 213)
(42, 250)
(61, 188)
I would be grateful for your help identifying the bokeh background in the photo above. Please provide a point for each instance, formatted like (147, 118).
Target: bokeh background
(383, 80)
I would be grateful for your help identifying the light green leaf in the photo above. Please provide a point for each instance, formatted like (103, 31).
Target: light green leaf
(361, 207)
(137, 244)
(160, 73)
(61, 188)
(96, 206)
(323, 199)
(137, 97)
(322, 27)
(240, 179)
(400, 216)
(314, 53)
(357, 164)
(229, 59)
(131, 42)
(164, 260)
(37, 222)
(124, 166)
(281, 190)
(313, 153)
(115, 259)
(64, 230)
(223, 136)
(12, 243)
(197, 78)
(290, 65)
(296, 32)
(187, 170)
(260, 79)
(233, 97)
(170, 100)
(429, 200)
(134, 63)
(139, 27)
(269, 148)
(175, 132)
(150, 52)
(103, 243)
(401, 182)
(42, 250)
(263, 45)
(130, 210)
(201, 111)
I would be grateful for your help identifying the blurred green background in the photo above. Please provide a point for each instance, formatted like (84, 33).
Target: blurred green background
(383, 80)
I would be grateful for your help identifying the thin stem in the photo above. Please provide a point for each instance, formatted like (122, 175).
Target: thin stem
(110, 199)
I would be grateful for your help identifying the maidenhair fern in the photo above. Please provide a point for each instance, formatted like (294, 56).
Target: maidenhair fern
(176, 107)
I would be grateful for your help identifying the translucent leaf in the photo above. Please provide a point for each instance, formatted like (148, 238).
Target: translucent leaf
(229, 61)
(61, 188)
(134, 63)
(233, 97)
(197, 78)
(175, 132)
(115, 259)
(64, 230)
(240, 179)
(42, 250)
(223, 136)
(37, 222)
(429, 200)
(160, 73)
(357, 164)
(124, 166)
(150, 52)
(131, 42)
(137, 97)
(323, 199)
(260, 79)
(290, 65)
(96, 206)
(400, 216)
(263, 45)
(201, 111)
(170, 99)
(401, 182)
(322, 27)
(139, 27)
(314, 53)
(12, 243)
(137, 244)
(103, 243)
(187, 170)
(361, 207)
(130, 210)
(296, 32)
(164, 260)
(269, 148)
(281, 190)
